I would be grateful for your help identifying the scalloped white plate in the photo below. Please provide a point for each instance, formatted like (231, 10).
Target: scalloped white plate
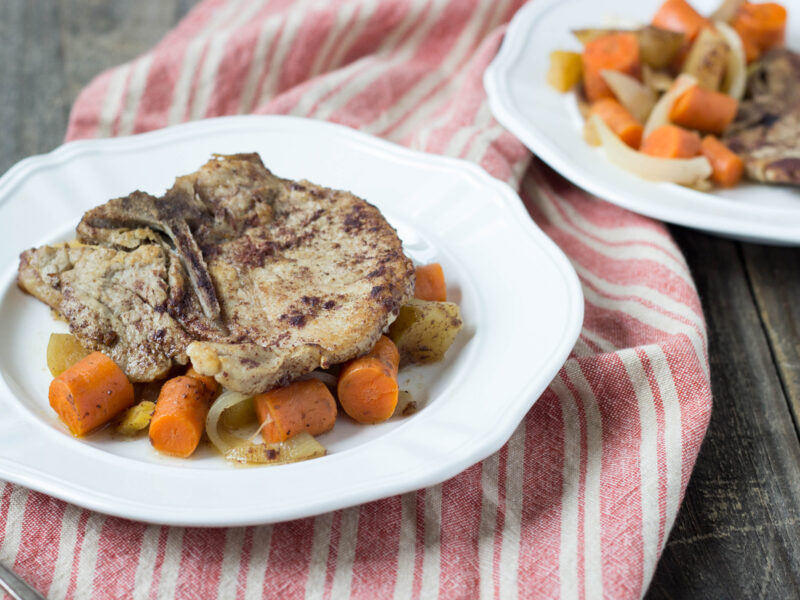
(550, 125)
(520, 298)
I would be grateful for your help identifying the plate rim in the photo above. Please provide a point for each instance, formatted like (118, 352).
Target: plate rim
(496, 84)
(116, 506)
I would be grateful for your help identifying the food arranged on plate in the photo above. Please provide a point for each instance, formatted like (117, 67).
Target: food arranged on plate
(691, 99)
(237, 304)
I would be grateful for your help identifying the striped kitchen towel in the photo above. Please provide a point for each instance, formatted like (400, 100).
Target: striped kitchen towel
(579, 502)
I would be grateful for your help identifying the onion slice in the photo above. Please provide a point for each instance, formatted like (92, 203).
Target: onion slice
(736, 75)
(226, 400)
(660, 114)
(631, 93)
(685, 171)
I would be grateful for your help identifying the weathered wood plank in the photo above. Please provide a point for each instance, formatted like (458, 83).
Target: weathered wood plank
(736, 534)
(774, 274)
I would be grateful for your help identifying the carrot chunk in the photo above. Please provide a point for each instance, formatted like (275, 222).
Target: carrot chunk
(678, 15)
(430, 284)
(367, 386)
(727, 167)
(180, 416)
(300, 406)
(621, 122)
(761, 27)
(90, 393)
(702, 109)
(615, 52)
(669, 141)
(208, 381)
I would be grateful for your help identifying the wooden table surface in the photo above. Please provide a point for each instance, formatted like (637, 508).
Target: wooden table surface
(738, 531)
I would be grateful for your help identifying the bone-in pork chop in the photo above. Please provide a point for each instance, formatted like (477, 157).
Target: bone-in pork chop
(257, 279)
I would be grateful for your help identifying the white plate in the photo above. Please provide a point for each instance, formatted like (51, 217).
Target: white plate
(520, 298)
(550, 125)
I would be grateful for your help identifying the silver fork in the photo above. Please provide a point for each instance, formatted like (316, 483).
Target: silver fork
(16, 587)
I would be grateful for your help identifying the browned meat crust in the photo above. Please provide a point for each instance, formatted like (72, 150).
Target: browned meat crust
(766, 132)
(258, 280)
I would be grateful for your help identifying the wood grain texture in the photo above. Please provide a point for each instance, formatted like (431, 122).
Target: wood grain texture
(737, 532)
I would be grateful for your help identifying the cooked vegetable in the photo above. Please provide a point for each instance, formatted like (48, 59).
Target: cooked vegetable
(90, 393)
(220, 437)
(735, 79)
(635, 96)
(406, 405)
(367, 387)
(211, 384)
(303, 446)
(726, 11)
(686, 171)
(585, 36)
(423, 331)
(658, 81)
(429, 283)
(660, 114)
(180, 415)
(678, 15)
(63, 351)
(565, 70)
(658, 47)
(727, 167)
(300, 406)
(239, 415)
(614, 52)
(136, 418)
(762, 26)
(707, 60)
(669, 141)
(621, 122)
(705, 110)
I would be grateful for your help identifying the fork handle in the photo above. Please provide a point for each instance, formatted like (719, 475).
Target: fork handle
(16, 587)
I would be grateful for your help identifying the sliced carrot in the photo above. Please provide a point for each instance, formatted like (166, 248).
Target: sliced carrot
(706, 110)
(615, 52)
(300, 406)
(180, 416)
(669, 141)
(619, 120)
(761, 27)
(367, 386)
(430, 284)
(90, 393)
(727, 167)
(678, 15)
(208, 381)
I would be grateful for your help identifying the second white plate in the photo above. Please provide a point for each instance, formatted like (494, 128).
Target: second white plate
(549, 124)
(520, 298)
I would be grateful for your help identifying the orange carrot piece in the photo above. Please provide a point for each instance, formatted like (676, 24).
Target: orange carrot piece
(300, 406)
(761, 26)
(367, 386)
(621, 122)
(180, 416)
(678, 15)
(669, 141)
(430, 283)
(706, 110)
(615, 52)
(90, 393)
(726, 166)
(208, 381)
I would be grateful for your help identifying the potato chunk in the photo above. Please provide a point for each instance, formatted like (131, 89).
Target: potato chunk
(136, 418)
(63, 351)
(423, 331)
(565, 71)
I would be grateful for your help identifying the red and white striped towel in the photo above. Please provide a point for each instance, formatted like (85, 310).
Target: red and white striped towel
(580, 501)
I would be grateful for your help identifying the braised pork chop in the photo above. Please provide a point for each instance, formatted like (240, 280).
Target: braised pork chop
(766, 132)
(256, 279)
